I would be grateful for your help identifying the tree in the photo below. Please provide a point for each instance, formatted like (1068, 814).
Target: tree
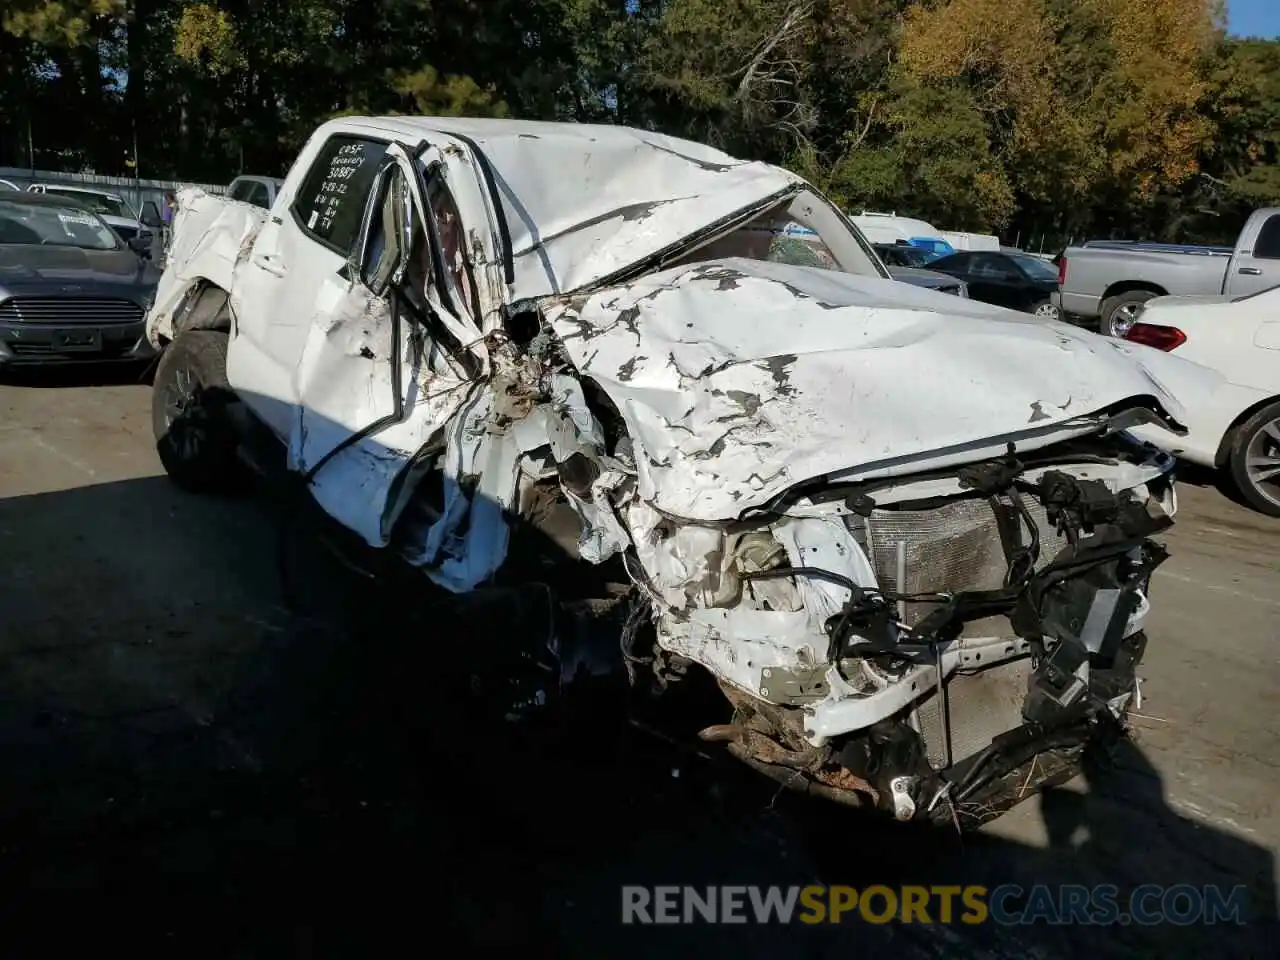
(1102, 117)
(62, 23)
(732, 73)
(1082, 98)
(1244, 108)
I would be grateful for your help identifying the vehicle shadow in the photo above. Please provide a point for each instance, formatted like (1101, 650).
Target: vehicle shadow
(324, 779)
(1196, 475)
(78, 374)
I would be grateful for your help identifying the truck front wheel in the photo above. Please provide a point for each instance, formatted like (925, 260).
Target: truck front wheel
(190, 399)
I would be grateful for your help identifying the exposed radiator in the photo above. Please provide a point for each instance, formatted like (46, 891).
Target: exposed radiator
(980, 707)
(950, 548)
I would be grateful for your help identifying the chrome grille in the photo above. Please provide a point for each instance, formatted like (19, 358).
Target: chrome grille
(100, 311)
(949, 548)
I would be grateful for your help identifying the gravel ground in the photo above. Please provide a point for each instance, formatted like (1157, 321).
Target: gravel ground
(192, 764)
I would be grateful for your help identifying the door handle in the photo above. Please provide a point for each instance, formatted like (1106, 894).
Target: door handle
(1251, 271)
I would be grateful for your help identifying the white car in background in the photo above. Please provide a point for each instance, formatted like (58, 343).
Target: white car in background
(1236, 427)
(114, 209)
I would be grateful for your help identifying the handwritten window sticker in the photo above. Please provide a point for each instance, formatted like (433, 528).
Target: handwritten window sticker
(67, 218)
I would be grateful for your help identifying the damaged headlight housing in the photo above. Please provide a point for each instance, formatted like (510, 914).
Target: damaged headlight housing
(705, 566)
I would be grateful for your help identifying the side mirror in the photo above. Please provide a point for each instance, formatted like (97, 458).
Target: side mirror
(150, 214)
(387, 232)
(141, 245)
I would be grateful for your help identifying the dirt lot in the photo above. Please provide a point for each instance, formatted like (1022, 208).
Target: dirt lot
(175, 739)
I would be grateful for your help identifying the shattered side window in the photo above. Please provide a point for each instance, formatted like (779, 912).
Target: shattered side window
(449, 231)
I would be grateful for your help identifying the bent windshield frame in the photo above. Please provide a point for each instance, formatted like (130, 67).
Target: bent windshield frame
(801, 229)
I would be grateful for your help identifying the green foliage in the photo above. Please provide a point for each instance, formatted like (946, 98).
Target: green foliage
(448, 96)
(1120, 117)
(206, 38)
(1244, 81)
(56, 22)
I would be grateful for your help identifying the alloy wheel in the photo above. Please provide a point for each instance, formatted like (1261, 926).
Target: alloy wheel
(1262, 461)
(1123, 318)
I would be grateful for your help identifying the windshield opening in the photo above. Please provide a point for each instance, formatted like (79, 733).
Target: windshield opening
(801, 231)
(99, 203)
(31, 225)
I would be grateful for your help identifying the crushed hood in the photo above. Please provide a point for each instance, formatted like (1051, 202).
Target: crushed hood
(583, 201)
(739, 379)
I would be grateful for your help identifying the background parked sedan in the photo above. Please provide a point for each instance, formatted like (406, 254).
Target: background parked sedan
(930, 280)
(904, 263)
(1235, 428)
(904, 255)
(1019, 281)
(115, 211)
(70, 289)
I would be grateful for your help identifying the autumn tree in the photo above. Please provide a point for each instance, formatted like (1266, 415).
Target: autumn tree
(65, 23)
(1080, 97)
(1076, 117)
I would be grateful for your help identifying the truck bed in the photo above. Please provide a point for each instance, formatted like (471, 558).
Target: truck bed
(211, 234)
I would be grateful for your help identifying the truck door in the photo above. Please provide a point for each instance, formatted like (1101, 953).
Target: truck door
(1256, 264)
(294, 267)
(391, 354)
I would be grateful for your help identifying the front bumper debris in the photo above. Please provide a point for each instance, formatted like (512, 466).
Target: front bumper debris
(972, 742)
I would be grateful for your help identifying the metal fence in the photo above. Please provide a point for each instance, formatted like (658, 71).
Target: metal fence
(135, 191)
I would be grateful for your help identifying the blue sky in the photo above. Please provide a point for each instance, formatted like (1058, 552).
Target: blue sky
(1254, 18)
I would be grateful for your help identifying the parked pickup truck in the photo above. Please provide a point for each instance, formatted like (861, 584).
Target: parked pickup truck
(1107, 281)
(259, 191)
(901, 538)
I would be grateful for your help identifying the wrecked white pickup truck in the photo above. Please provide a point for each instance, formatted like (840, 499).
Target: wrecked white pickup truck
(906, 534)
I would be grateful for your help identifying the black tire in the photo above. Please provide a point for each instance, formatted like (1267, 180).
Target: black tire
(1256, 439)
(190, 398)
(1114, 309)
